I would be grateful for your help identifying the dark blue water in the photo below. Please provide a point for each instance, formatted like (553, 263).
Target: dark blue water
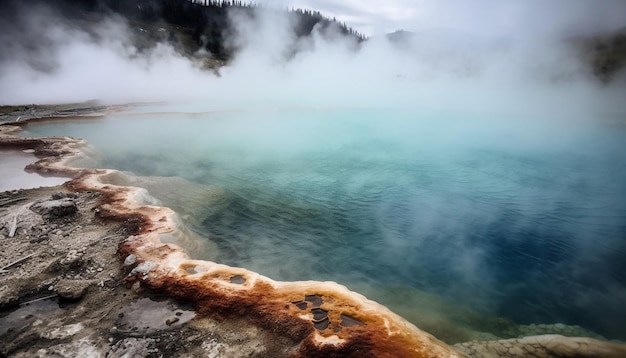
(523, 218)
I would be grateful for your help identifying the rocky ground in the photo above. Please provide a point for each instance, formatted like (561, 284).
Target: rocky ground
(63, 294)
(62, 287)
(66, 290)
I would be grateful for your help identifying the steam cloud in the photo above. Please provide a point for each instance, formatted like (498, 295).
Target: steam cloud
(49, 59)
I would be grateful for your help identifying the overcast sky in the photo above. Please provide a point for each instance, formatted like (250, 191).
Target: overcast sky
(492, 17)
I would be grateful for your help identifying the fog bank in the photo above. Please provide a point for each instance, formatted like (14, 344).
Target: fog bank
(51, 59)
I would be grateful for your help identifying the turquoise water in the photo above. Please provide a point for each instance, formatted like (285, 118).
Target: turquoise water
(509, 216)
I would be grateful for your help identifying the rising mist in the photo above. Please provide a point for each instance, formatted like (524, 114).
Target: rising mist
(529, 66)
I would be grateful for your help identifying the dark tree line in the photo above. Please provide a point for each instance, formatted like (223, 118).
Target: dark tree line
(207, 21)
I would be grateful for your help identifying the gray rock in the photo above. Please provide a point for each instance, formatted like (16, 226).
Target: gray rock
(58, 196)
(57, 208)
(9, 298)
(72, 290)
(130, 260)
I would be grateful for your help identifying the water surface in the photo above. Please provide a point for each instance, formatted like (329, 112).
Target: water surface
(503, 215)
(12, 164)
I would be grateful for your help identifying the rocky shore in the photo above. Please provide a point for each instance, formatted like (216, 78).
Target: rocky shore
(83, 273)
(63, 293)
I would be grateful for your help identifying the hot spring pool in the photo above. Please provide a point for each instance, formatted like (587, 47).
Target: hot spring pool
(442, 217)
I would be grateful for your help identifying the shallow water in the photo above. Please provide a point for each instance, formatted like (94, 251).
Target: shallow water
(518, 217)
(12, 164)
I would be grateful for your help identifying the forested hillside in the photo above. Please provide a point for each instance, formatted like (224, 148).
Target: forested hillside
(203, 29)
(189, 26)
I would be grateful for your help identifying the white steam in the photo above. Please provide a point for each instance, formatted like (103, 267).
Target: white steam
(272, 68)
(72, 63)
